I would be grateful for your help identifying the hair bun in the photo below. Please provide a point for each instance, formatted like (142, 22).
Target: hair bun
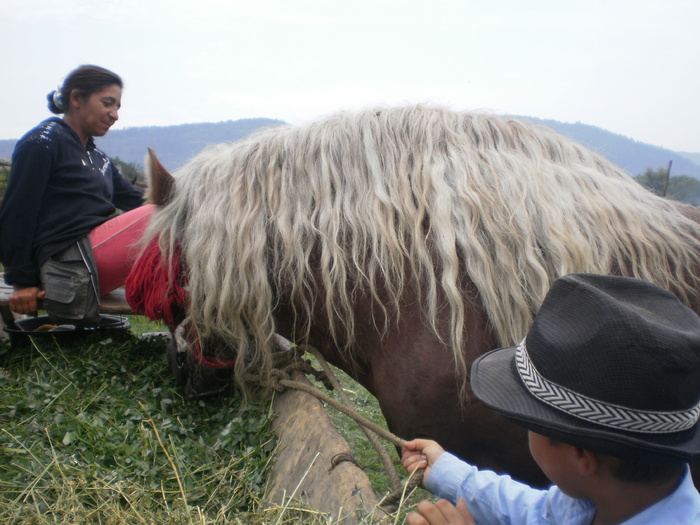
(58, 99)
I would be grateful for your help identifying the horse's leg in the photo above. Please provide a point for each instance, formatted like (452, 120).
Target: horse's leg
(413, 378)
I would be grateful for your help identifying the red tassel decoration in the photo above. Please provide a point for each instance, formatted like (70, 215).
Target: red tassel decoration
(150, 291)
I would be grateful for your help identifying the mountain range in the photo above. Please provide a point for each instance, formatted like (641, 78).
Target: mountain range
(175, 144)
(632, 156)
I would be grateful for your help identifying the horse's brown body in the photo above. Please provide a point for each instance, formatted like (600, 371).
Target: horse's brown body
(411, 373)
(411, 369)
(414, 380)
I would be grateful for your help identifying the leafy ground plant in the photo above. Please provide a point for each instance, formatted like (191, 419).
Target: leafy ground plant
(93, 430)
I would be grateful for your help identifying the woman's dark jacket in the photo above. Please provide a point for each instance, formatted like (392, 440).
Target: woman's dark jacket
(58, 191)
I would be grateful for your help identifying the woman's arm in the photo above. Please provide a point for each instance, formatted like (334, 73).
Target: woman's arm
(20, 209)
(126, 196)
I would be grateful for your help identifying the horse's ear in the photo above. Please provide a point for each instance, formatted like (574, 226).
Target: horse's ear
(161, 183)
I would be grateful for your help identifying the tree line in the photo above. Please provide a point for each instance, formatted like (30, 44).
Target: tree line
(682, 188)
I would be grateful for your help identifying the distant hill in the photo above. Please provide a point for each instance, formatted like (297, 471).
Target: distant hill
(632, 156)
(175, 144)
(695, 157)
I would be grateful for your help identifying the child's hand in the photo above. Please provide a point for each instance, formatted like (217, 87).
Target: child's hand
(420, 453)
(441, 513)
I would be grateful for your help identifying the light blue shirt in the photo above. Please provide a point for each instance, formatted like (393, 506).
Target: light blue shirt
(495, 499)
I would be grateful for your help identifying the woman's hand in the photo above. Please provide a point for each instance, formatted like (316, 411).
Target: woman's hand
(441, 513)
(25, 300)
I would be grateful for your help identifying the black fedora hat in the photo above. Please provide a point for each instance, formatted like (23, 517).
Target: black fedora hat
(610, 364)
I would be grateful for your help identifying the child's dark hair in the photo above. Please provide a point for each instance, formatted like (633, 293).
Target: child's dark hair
(86, 80)
(640, 471)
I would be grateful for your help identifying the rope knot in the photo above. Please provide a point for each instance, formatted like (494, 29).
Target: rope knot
(275, 379)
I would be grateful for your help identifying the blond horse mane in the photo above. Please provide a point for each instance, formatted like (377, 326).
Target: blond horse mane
(372, 195)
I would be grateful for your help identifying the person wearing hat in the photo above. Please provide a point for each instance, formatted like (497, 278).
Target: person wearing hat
(607, 383)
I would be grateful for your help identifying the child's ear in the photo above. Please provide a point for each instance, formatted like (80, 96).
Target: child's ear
(587, 462)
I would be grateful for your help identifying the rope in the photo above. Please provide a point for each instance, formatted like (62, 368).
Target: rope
(371, 436)
(280, 379)
(392, 501)
(290, 360)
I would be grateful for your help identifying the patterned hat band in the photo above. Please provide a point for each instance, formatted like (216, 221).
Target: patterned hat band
(600, 412)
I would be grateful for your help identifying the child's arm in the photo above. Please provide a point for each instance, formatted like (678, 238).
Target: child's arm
(420, 453)
(491, 498)
(423, 453)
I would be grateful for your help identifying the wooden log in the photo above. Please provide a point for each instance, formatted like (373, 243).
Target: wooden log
(115, 303)
(303, 469)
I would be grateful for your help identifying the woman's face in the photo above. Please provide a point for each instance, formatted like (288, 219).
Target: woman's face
(92, 117)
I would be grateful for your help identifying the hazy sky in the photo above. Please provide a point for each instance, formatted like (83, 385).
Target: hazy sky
(628, 66)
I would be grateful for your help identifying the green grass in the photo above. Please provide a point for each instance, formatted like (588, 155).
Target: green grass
(95, 431)
(141, 325)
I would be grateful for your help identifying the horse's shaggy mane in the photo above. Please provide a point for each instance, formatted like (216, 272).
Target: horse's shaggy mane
(359, 199)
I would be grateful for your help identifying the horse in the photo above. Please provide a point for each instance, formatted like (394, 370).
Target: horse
(404, 242)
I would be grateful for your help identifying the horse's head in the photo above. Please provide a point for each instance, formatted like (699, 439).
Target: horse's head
(157, 287)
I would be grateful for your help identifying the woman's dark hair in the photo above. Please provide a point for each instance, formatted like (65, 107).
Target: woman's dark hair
(86, 80)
